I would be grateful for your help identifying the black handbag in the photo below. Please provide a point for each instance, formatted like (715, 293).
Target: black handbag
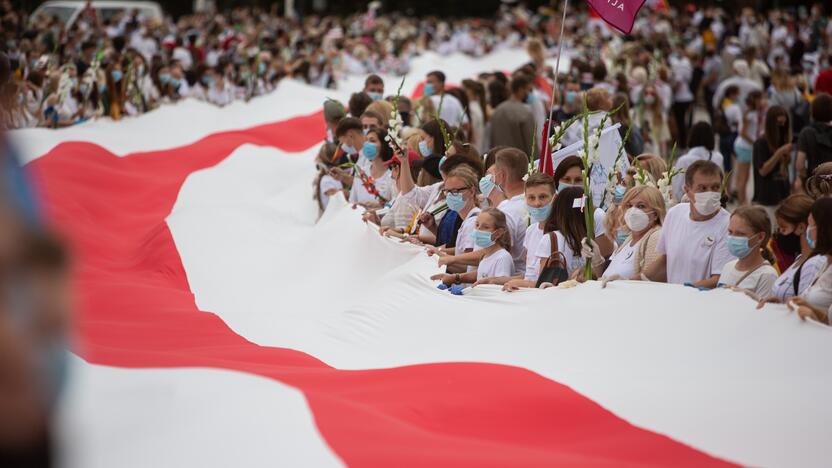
(554, 271)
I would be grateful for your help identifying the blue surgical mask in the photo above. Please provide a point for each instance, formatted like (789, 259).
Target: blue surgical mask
(738, 246)
(369, 150)
(207, 80)
(455, 202)
(621, 236)
(164, 78)
(117, 75)
(571, 96)
(563, 186)
(261, 68)
(487, 185)
(618, 194)
(424, 149)
(540, 214)
(530, 98)
(428, 89)
(482, 239)
(349, 149)
(809, 240)
(84, 88)
(375, 96)
(175, 82)
(442, 161)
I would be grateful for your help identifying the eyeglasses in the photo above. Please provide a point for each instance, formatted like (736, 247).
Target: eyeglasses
(457, 191)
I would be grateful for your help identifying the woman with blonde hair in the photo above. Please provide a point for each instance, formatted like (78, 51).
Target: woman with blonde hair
(641, 214)
(383, 109)
(654, 167)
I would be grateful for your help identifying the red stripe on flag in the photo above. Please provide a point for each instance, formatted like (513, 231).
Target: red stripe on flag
(135, 309)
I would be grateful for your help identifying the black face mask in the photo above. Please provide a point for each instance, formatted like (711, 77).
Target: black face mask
(788, 243)
(405, 117)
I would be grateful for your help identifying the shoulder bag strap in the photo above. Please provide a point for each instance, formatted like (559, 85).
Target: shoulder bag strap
(748, 273)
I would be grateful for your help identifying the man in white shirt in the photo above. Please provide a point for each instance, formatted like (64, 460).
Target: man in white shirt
(692, 244)
(510, 166)
(452, 111)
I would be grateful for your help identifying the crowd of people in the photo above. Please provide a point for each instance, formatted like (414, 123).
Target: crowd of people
(729, 151)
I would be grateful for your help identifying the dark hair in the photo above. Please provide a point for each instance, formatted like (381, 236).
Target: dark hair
(775, 135)
(795, 209)
(497, 93)
(438, 75)
(433, 129)
(732, 90)
(385, 151)
(822, 212)
(346, 124)
(566, 219)
(491, 156)
(752, 97)
(519, 83)
(705, 167)
(373, 79)
(358, 103)
(563, 167)
(463, 158)
(462, 97)
(479, 92)
(599, 72)
(701, 134)
(822, 108)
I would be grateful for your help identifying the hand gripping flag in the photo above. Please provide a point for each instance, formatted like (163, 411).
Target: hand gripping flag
(621, 14)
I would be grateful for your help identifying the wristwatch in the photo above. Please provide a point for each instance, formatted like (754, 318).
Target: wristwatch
(457, 279)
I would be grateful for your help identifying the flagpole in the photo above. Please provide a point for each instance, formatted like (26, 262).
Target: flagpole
(557, 67)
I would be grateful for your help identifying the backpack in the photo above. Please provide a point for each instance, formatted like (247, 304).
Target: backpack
(554, 271)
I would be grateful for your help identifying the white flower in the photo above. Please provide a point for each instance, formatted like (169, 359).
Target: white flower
(581, 154)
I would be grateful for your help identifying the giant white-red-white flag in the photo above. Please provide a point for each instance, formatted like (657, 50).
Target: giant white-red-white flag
(220, 323)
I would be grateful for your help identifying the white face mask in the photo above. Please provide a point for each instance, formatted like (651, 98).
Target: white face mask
(636, 219)
(707, 203)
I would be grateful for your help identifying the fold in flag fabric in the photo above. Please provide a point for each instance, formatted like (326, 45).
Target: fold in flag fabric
(621, 14)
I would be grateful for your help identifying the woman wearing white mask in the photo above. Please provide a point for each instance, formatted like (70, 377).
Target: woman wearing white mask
(642, 213)
(377, 187)
(748, 233)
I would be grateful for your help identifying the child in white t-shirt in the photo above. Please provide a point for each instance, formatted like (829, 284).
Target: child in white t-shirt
(748, 233)
(492, 236)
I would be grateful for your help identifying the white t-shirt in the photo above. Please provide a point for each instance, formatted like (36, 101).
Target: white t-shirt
(530, 242)
(328, 183)
(784, 286)
(517, 218)
(496, 265)
(544, 250)
(695, 250)
(452, 112)
(751, 125)
(622, 260)
(819, 294)
(758, 282)
(384, 185)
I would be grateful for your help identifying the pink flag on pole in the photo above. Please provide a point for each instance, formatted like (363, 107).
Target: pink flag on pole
(621, 14)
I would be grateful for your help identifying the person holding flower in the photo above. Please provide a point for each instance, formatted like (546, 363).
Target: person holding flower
(491, 236)
(749, 231)
(641, 214)
(375, 188)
